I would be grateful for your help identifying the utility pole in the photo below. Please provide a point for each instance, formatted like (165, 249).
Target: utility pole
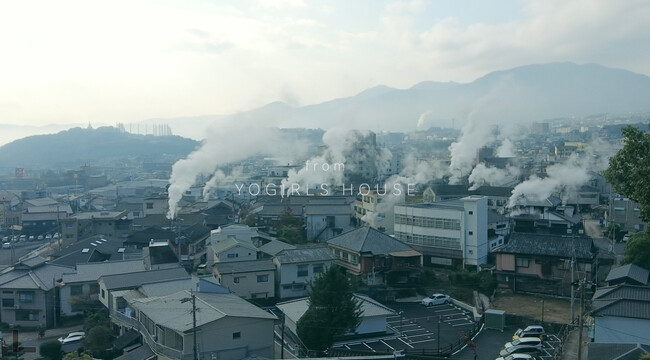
(282, 338)
(438, 336)
(582, 301)
(193, 300)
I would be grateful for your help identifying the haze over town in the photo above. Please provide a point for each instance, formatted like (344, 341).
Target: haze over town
(297, 179)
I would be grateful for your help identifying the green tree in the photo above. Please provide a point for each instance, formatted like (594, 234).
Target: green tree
(290, 228)
(637, 250)
(51, 350)
(333, 311)
(629, 168)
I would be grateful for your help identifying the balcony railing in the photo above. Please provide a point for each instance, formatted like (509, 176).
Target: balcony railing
(153, 344)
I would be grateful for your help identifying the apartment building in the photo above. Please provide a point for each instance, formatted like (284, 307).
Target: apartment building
(452, 232)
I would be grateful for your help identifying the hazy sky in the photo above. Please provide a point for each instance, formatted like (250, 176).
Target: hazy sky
(127, 61)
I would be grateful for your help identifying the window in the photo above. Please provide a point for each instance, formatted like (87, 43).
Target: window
(303, 271)
(149, 205)
(263, 278)
(471, 251)
(318, 268)
(76, 290)
(27, 315)
(103, 294)
(7, 302)
(236, 335)
(236, 279)
(355, 258)
(471, 233)
(471, 212)
(69, 225)
(26, 297)
(233, 255)
(523, 262)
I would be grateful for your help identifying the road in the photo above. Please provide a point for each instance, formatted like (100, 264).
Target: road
(593, 229)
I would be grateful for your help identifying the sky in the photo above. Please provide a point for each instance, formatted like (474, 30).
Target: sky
(71, 62)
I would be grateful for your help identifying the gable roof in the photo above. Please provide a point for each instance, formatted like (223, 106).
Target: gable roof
(92, 249)
(303, 255)
(622, 301)
(172, 312)
(368, 240)
(92, 271)
(616, 351)
(245, 266)
(43, 276)
(549, 245)
(631, 271)
(275, 246)
(296, 309)
(231, 242)
(136, 279)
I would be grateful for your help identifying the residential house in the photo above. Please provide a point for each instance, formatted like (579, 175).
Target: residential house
(155, 205)
(296, 268)
(247, 279)
(498, 229)
(80, 286)
(42, 216)
(94, 249)
(616, 351)
(452, 232)
(141, 238)
(28, 292)
(621, 314)
(372, 254)
(541, 263)
(132, 280)
(87, 224)
(220, 214)
(626, 213)
(272, 248)
(228, 326)
(630, 274)
(232, 250)
(326, 220)
(373, 317)
(370, 210)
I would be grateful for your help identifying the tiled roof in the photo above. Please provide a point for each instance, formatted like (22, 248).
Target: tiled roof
(274, 247)
(622, 301)
(631, 271)
(549, 245)
(92, 271)
(231, 242)
(368, 240)
(300, 255)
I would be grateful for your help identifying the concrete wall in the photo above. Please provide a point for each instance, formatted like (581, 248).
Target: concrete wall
(248, 285)
(243, 254)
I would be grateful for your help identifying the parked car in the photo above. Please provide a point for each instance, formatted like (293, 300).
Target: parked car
(6, 245)
(626, 238)
(517, 356)
(530, 331)
(532, 341)
(436, 299)
(72, 337)
(528, 349)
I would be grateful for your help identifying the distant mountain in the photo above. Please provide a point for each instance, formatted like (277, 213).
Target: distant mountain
(522, 94)
(527, 93)
(77, 146)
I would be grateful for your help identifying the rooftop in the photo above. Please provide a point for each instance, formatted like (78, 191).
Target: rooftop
(368, 240)
(549, 245)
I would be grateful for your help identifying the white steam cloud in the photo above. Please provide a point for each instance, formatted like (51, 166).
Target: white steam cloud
(492, 176)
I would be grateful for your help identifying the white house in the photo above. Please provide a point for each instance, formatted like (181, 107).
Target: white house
(373, 318)
(227, 326)
(446, 232)
(232, 250)
(247, 279)
(296, 268)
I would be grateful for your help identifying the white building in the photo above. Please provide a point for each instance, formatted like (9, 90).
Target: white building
(446, 232)
(297, 268)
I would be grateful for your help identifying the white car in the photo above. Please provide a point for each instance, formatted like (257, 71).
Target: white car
(517, 356)
(436, 299)
(6, 245)
(72, 337)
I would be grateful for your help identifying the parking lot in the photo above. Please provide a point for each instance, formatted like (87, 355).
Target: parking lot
(490, 342)
(418, 328)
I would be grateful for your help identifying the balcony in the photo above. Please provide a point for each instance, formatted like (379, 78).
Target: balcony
(168, 352)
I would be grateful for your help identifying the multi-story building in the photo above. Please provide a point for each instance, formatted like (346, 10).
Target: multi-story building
(297, 268)
(625, 212)
(446, 233)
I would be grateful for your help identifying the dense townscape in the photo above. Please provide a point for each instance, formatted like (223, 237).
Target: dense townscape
(101, 261)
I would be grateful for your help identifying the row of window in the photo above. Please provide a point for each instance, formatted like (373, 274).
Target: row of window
(429, 241)
(563, 264)
(428, 222)
(260, 278)
(23, 297)
(345, 256)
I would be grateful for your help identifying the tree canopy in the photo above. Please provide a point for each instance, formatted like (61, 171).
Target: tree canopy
(629, 169)
(333, 310)
(290, 228)
(637, 250)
